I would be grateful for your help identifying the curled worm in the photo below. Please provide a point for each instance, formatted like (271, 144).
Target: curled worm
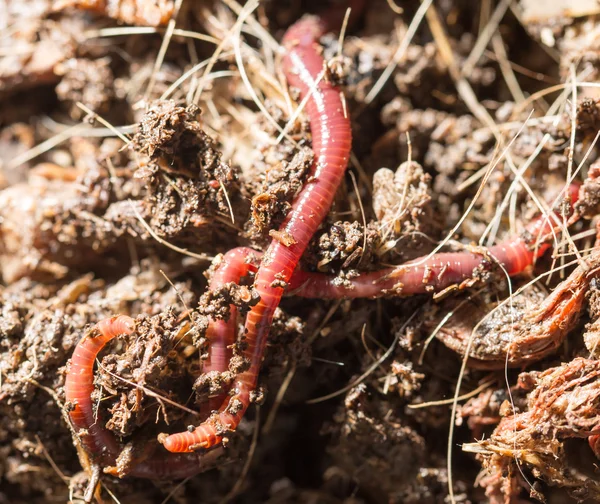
(100, 443)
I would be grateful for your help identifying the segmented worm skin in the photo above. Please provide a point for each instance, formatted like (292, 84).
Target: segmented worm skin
(221, 334)
(331, 139)
(98, 441)
(437, 272)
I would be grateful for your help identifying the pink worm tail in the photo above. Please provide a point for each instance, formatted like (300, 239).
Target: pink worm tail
(332, 138)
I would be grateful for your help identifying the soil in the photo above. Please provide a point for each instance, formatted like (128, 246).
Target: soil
(125, 171)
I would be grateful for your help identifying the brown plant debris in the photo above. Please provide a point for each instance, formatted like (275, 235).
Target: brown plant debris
(549, 437)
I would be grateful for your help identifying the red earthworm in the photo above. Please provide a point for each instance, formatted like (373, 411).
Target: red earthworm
(80, 385)
(331, 139)
(97, 440)
(221, 334)
(435, 273)
(331, 135)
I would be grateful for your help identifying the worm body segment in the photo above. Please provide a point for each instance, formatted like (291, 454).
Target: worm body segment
(436, 273)
(221, 334)
(80, 385)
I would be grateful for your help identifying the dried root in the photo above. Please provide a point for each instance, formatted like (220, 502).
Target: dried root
(563, 406)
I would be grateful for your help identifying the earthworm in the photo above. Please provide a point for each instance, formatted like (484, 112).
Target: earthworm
(80, 385)
(98, 441)
(331, 140)
(221, 334)
(438, 272)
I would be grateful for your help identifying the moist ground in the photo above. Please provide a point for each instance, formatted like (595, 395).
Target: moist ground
(95, 224)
